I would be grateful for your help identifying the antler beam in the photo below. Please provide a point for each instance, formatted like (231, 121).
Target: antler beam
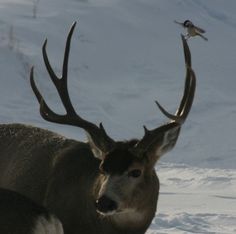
(163, 139)
(97, 134)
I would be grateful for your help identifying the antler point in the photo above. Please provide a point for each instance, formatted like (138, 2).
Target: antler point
(101, 127)
(45, 43)
(72, 28)
(31, 70)
(158, 104)
(145, 129)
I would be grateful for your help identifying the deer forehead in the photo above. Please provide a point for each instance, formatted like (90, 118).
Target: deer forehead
(119, 161)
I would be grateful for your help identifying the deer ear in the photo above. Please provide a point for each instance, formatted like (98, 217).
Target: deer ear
(157, 142)
(97, 152)
(164, 144)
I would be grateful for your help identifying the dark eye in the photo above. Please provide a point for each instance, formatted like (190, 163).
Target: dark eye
(135, 173)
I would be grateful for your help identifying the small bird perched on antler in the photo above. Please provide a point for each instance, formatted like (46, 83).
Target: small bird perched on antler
(192, 29)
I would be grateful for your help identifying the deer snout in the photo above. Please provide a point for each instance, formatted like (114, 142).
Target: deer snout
(105, 205)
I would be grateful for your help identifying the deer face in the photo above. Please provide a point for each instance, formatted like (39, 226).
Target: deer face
(123, 179)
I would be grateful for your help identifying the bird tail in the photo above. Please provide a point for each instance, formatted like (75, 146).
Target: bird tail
(206, 39)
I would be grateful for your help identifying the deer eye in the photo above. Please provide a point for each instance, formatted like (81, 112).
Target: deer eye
(135, 173)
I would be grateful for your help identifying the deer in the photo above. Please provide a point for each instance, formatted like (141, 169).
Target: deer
(101, 186)
(21, 215)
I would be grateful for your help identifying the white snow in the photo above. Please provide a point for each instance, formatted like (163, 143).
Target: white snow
(126, 54)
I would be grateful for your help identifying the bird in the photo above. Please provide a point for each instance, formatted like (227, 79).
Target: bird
(192, 29)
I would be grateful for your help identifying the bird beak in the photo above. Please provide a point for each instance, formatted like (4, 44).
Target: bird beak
(182, 24)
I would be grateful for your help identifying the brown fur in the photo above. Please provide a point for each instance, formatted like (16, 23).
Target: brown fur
(64, 176)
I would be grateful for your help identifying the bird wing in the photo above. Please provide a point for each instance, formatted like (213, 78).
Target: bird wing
(200, 30)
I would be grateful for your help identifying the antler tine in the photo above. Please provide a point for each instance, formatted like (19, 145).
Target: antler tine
(67, 53)
(97, 134)
(45, 111)
(51, 73)
(61, 83)
(34, 87)
(189, 99)
(178, 117)
(188, 63)
(187, 54)
(190, 84)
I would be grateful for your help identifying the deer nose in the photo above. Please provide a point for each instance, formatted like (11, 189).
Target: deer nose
(104, 204)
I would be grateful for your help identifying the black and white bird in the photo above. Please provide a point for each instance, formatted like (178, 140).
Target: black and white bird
(192, 30)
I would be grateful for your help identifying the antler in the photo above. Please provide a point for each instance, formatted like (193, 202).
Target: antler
(163, 139)
(159, 140)
(97, 134)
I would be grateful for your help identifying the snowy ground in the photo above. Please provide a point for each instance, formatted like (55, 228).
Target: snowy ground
(125, 54)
